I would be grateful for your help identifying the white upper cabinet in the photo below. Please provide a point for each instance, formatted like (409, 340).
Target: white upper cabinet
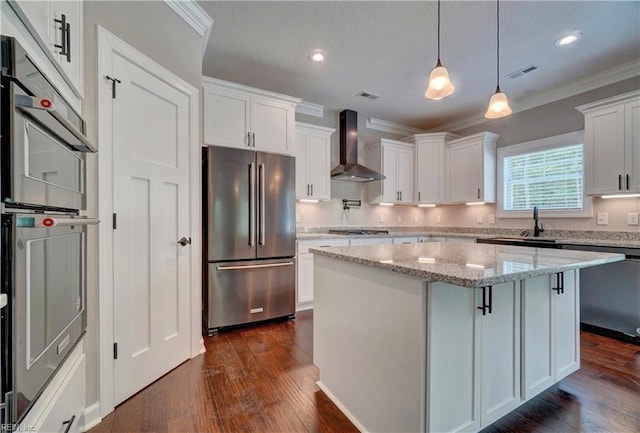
(394, 159)
(612, 145)
(313, 159)
(471, 168)
(429, 165)
(248, 118)
(57, 26)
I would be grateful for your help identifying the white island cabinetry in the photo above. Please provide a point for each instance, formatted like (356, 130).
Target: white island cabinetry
(483, 339)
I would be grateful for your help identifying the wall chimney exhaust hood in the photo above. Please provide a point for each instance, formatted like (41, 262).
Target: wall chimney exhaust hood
(349, 169)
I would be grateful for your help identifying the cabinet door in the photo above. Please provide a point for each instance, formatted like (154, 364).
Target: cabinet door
(429, 171)
(226, 118)
(318, 170)
(465, 178)
(72, 63)
(604, 150)
(305, 277)
(537, 342)
(500, 348)
(302, 185)
(453, 370)
(272, 125)
(390, 191)
(632, 142)
(566, 324)
(405, 175)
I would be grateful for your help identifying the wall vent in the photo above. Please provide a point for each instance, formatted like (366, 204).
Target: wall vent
(368, 95)
(521, 72)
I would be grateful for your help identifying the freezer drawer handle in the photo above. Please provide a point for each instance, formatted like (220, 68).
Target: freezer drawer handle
(241, 267)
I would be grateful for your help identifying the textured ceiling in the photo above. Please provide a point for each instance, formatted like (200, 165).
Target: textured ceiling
(389, 49)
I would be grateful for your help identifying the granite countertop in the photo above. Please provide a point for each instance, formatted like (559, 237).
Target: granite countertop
(573, 237)
(466, 264)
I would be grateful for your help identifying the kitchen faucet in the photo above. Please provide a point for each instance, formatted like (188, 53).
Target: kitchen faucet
(536, 230)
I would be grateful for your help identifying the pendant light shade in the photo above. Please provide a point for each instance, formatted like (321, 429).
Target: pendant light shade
(439, 83)
(498, 104)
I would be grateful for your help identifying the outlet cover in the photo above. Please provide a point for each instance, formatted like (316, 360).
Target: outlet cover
(479, 219)
(602, 219)
(297, 217)
(381, 218)
(492, 219)
(632, 218)
(438, 218)
(415, 218)
(399, 218)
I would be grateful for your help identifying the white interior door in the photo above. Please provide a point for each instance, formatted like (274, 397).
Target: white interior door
(151, 197)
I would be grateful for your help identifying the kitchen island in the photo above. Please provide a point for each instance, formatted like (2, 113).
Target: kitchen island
(444, 336)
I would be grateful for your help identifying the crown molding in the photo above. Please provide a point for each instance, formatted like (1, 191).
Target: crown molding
(310, 109)
(235, 86)
(592, 82)
(195, 16)
(613, 100)
(394, 128)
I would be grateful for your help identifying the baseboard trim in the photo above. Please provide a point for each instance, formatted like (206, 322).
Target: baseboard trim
(91, 417)
(342, 408)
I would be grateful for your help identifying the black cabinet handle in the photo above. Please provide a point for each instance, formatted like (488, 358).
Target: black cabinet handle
(486, 306)
(68, 423)
(619, 182)
(253, 135)
(627, 182)
(559, 289)
(418, 195)
(249, 139)
(478, 193)
(311, 190)
(65, 35)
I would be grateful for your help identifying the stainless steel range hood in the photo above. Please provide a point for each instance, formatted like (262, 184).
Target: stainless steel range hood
(349, 169)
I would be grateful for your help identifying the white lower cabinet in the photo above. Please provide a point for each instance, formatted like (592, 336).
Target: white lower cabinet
(475, 381)
(61, 405)
(550, 321)
(304, 269)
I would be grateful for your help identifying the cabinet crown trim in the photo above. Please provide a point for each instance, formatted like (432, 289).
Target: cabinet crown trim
(486, 135)
(317, 128)
(209, 81)
(608, 101)
(389, 142)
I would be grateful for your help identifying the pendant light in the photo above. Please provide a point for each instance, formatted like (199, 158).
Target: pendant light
(498, 104)
(439, 84)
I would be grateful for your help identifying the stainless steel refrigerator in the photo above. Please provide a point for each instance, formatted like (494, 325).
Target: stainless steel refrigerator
(249, 228)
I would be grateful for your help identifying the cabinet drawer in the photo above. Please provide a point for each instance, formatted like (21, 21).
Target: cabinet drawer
(303, 246)
(68, 402)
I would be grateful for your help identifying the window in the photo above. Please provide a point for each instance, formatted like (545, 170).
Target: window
(547, 173)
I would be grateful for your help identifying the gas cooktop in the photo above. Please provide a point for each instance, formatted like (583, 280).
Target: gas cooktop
(359, 232)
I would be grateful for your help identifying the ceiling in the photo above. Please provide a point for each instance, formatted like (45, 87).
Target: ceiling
(389, 49)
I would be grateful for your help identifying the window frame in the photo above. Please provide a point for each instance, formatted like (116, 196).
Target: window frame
(539, 145)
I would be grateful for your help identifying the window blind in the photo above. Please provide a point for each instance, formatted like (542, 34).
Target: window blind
(548, 179)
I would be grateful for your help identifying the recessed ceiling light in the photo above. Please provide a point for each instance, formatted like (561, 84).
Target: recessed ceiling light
(316, 56)
(568, 39)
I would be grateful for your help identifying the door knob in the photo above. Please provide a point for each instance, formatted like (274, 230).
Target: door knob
(184, 241)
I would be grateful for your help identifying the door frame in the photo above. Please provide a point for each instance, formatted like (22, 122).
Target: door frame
(108, 44)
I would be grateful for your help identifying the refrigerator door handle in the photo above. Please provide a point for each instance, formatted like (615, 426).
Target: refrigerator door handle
(252, 205)
(261, 188)
(242, 267)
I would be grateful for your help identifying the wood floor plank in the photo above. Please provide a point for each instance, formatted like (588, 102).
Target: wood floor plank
(262, 379)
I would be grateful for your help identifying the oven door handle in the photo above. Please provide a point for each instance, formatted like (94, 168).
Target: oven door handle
(48, 221)
(33, 107)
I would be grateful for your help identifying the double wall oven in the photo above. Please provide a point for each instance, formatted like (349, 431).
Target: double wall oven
(42, 185)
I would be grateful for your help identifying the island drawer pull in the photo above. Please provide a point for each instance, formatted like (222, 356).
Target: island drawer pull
(486, 307)
(559, 283)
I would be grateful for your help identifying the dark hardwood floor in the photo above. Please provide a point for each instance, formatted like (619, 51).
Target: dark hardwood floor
(262, 379)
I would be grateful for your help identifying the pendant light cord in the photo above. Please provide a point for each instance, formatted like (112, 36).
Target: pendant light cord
(438, 31)
(498, 44)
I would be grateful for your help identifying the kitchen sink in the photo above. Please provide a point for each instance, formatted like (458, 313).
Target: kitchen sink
(522, 242)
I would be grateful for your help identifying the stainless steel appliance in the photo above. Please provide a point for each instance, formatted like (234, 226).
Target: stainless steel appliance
(610, 294)
(249, 225)
(42, 184)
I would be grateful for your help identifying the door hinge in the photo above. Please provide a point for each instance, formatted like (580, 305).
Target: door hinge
(115, 350)
(115, 221)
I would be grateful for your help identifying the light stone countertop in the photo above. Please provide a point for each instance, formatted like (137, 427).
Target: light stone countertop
(467, 264)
